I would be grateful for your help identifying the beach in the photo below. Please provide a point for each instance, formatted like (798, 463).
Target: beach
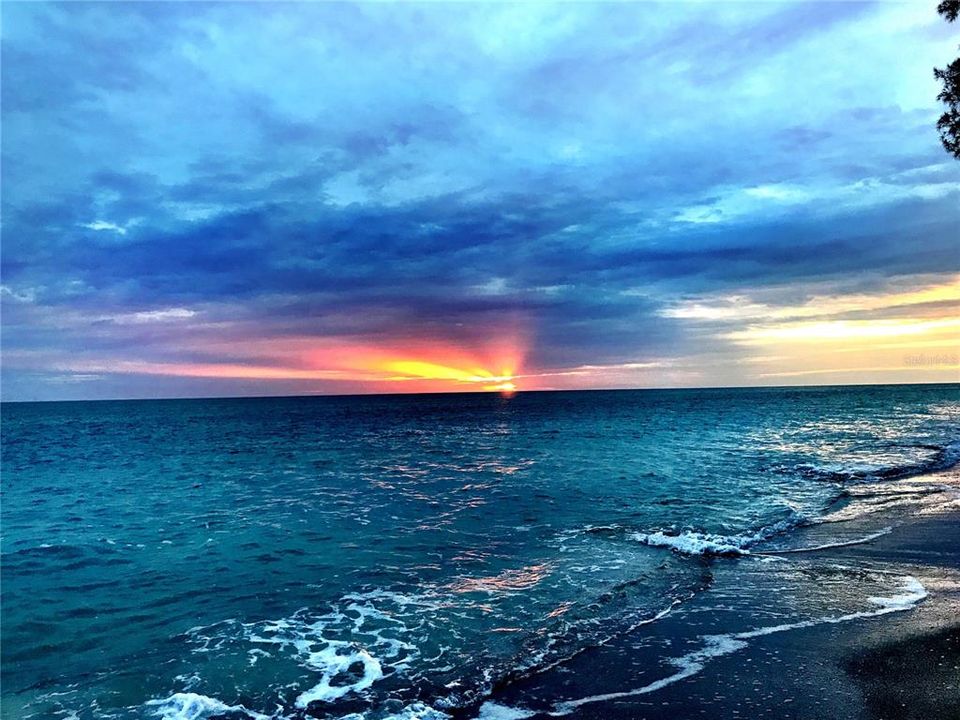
(900, 664)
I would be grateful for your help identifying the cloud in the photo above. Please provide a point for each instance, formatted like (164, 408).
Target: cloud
(180, 178)
(104, 225)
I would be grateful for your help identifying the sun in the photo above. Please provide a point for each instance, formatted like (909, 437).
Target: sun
(504, 388)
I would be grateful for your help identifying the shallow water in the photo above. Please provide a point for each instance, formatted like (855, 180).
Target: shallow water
(405, 555)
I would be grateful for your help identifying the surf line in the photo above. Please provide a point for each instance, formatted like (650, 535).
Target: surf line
(828, 546)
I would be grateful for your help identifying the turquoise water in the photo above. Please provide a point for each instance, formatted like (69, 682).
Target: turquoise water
(397, 556)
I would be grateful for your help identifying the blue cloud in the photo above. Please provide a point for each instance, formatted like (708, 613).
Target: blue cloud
(584, 165)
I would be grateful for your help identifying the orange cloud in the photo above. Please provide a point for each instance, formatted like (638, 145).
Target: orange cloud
(422, 365)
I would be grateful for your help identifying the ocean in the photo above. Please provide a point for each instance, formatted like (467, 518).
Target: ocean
(374, 557)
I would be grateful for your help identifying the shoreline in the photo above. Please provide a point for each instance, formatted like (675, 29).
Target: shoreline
(901, 663)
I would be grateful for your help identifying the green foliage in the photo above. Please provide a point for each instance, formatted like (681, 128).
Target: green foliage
(950, 9)
(949, 122)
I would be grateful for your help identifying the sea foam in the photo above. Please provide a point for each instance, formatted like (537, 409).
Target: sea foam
(696, 543)
(693, 542)
(345, 651)
(336, 660)
(839, 544)
(192, 706)
(495, 711)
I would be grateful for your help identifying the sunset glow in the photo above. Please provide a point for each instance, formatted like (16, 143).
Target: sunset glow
(444, 367)
(418, 369)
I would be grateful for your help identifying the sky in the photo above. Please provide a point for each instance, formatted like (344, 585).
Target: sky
(267, 199)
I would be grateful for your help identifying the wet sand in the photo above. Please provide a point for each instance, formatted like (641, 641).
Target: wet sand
(909, 667)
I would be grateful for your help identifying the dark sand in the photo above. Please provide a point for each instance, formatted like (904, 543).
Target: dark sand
(899, 665)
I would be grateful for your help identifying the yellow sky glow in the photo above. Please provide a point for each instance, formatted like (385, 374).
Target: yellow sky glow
(908, 335)
(843, 330)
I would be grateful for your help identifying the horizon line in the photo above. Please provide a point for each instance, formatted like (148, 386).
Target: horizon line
(482, 392)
